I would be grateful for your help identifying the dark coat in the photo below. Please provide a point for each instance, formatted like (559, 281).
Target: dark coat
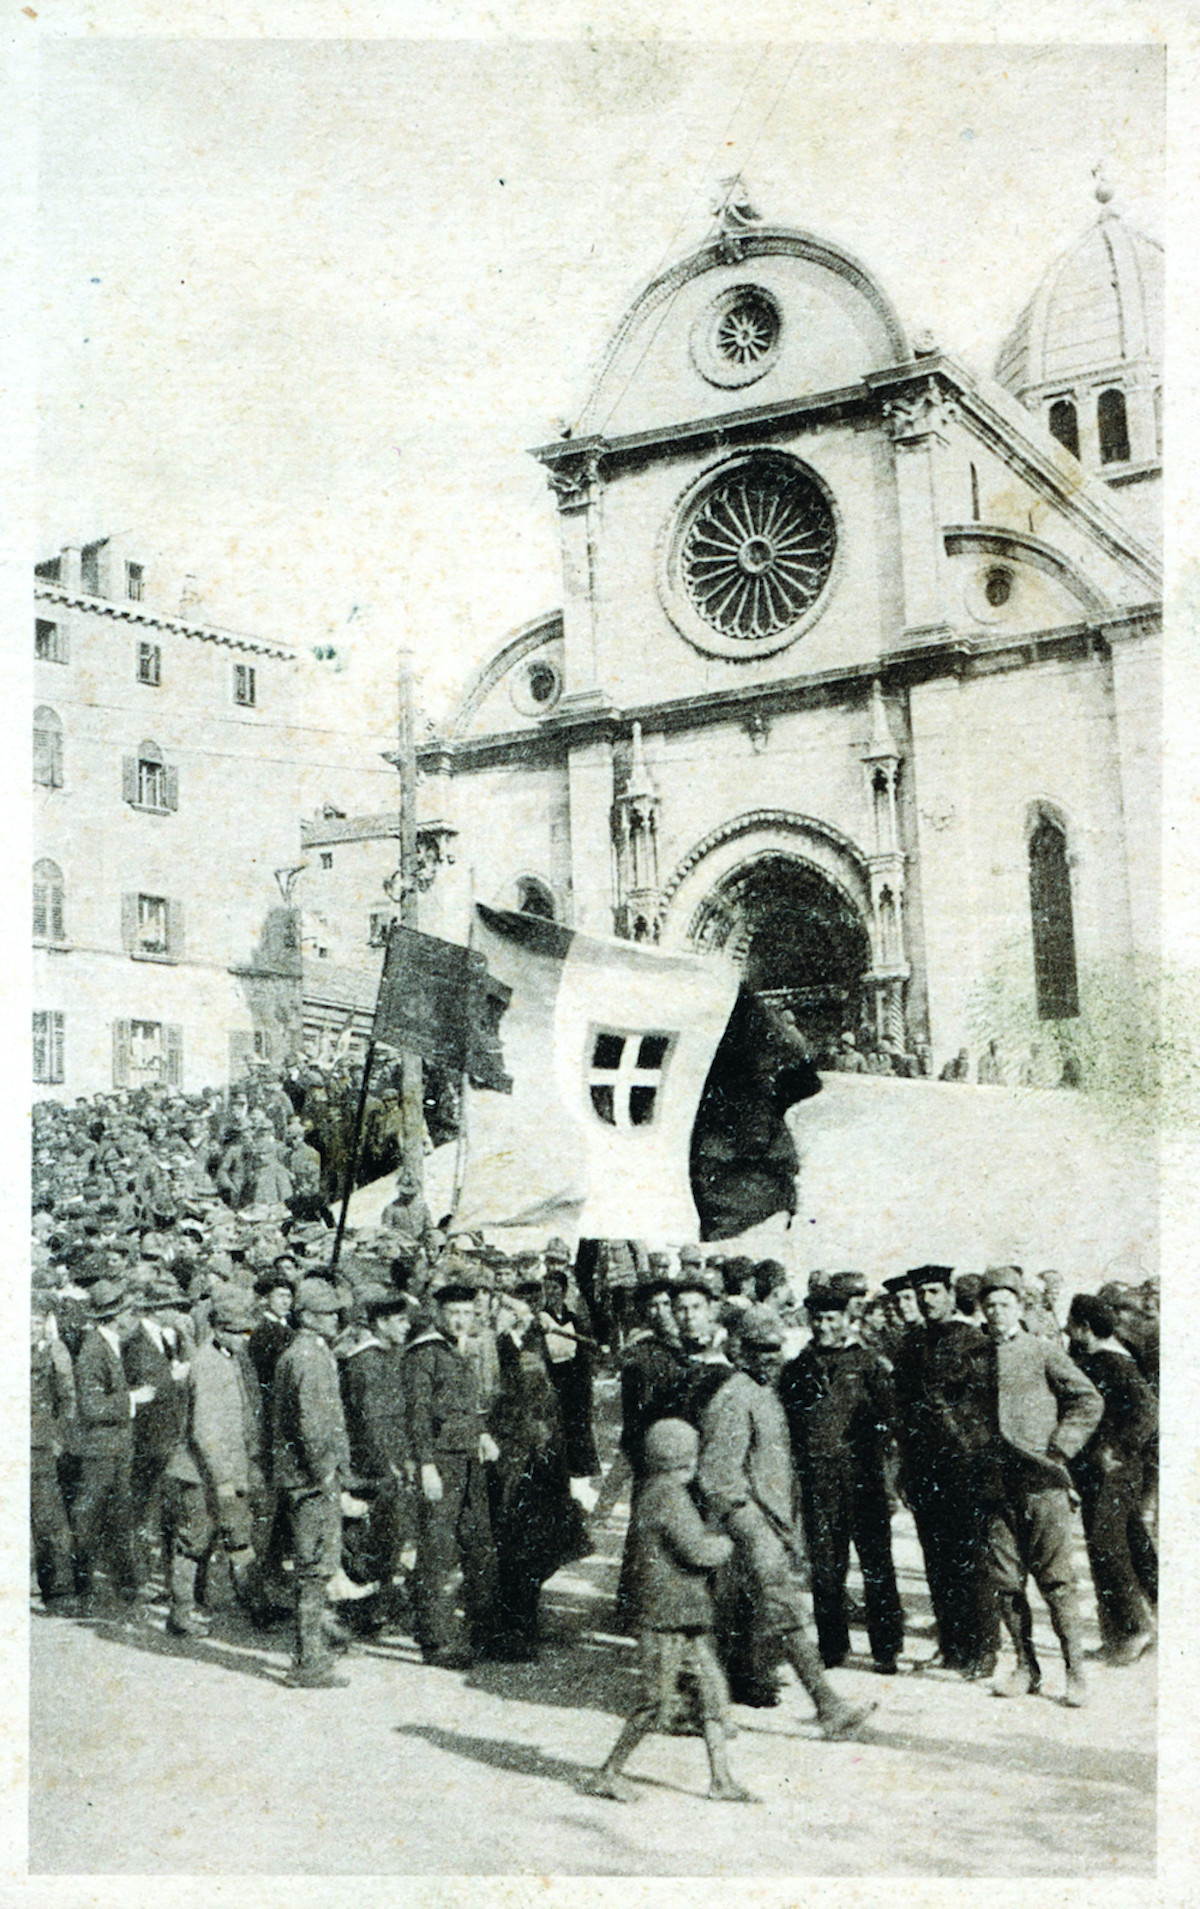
(672, 1553)
(649, 1377)
(373, 1399)
(945, 1395)
(160, 1423)
(443, 1400)
(309, 1447)
(839, 1407)
(102, 1393)
(52, 1398)
(537, 1524)
(1130, 1419)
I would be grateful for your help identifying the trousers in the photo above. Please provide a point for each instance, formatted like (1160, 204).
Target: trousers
(454, 1550)
(841, 1508)
(49, 1527)
(952, 1523)
(102, 1517)
(1121, 1552)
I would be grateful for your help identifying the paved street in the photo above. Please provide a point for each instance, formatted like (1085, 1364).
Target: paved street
(151, 1754)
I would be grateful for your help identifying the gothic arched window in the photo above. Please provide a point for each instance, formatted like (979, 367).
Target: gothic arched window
(1064, 425)
(1053, 923)
(1113, 428)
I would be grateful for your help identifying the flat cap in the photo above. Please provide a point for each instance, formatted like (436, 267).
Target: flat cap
(930, 1275)
(760, 1326)
(317, 1295)
(1000, 1279)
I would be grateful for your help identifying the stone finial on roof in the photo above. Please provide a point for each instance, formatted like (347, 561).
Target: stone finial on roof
(732, 207)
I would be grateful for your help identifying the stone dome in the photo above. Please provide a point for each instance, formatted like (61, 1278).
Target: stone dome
(1099, 308)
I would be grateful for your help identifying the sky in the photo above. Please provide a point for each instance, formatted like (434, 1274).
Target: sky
(303, 307)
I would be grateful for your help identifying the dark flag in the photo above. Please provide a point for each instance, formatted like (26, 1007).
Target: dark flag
(743, 1158)
(438, 1000)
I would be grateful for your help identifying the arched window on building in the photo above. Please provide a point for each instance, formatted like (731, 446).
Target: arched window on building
(48, 902)
(1053, 922)
(47, 748)
(1112, 426)
(534, 898)
(1064, 425)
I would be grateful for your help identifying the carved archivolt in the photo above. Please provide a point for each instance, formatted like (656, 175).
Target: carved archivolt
(826, 848)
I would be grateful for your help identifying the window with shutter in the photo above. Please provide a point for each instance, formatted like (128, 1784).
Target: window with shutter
(174, 1036)
(48, 908)
(175, 942)
(147, 781)
(245, 689)
(49, 1045)
(50, 644)
(47, 748)
(122, 1048)
(129, 923)
(153, 925)
(149, 664)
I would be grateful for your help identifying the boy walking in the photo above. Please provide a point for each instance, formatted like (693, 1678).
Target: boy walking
(672, 1555)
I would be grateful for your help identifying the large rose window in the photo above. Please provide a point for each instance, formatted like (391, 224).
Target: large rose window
(755, 552)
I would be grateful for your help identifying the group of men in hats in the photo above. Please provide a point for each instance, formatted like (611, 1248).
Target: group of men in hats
(199, 1377)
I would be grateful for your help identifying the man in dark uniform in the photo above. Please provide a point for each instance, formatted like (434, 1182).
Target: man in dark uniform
(52, 1402)
(103, 1503)
(941, 1383)
(651, 1369)
(837, 1399)
(371, 1362)
(449, 1448)
(311, 1465)
(1107, 1473)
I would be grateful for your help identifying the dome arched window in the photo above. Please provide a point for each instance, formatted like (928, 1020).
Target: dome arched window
(1113, 427)
(1064, 425)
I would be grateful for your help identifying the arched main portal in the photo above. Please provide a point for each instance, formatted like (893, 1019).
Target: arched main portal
(801, 940)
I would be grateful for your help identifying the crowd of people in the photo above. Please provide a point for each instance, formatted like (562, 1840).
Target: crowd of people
(406, 1441)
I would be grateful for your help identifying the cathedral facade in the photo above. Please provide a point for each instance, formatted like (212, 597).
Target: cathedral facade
(856, 675)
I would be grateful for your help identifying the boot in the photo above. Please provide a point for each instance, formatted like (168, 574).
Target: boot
(247, 1585)
(183, 1619)
(1064, 1617)
(1024, 1676)
(313, 1667)
(837, 1718)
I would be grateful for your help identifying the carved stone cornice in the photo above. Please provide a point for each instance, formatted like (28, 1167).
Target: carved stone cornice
(575, 480)
(915, 415)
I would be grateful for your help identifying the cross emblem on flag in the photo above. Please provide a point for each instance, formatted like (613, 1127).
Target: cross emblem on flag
(625, 1075)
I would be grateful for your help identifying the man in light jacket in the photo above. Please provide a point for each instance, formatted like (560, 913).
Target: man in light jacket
(1045, 1410)
(214, 1488)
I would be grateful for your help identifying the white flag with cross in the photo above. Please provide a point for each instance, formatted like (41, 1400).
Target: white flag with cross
(608, 1044)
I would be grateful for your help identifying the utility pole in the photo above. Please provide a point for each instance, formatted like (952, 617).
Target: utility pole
(412, 1090)
(411, 1076)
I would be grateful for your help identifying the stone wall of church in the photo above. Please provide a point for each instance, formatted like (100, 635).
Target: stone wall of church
(642, 657)
(990, 753)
